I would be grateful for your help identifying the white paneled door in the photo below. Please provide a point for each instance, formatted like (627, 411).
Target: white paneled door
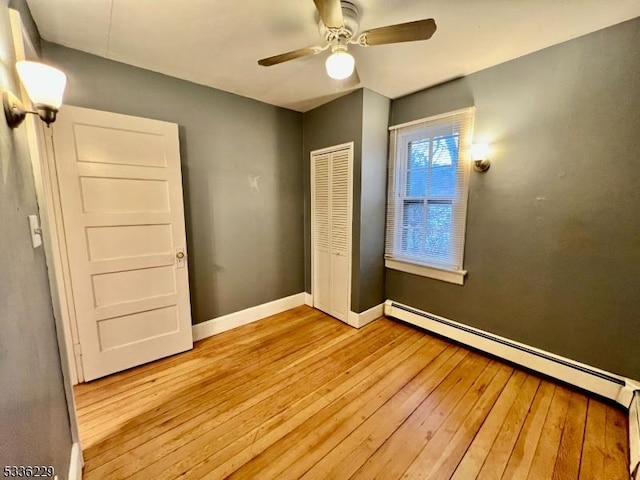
(331, 198)
(121, 197)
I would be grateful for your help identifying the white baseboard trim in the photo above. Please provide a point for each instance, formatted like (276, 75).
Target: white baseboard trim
(605, 384)
(634, 436)
(359, 320)
(308, 299)
(243, 317)
(75, 462)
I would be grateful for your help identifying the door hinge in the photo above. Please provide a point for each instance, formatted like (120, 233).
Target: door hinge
(77, 349)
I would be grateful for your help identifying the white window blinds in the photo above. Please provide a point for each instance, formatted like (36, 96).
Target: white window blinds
(428, 189)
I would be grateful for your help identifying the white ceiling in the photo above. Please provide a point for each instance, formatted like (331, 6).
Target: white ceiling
(218, 42)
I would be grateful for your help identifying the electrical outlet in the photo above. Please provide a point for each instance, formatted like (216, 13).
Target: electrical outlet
(35, 230)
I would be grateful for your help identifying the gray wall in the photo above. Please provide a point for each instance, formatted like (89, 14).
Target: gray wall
(34, 424)
(373, 199)
(553, 229)
(361, 117)
(245, 244)
(339, 121)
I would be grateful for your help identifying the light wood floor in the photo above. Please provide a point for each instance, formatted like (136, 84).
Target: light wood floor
(301, 395)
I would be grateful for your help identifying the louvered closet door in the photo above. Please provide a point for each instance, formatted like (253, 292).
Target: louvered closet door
(340, 241)
(322, 253)
(332, 194)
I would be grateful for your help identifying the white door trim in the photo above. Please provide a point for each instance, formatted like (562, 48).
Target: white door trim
(308, 299)
(334, 148)
(47, 195)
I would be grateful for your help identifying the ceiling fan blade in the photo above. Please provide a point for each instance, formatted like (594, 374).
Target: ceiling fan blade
(403, 32)
(330, 12)
(285, 57)
(352, 81)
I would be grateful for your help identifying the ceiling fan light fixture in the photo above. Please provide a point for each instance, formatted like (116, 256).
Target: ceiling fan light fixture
(339, 28)
(340, 64)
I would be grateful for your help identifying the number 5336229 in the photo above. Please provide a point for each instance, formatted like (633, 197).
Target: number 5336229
(28, 471)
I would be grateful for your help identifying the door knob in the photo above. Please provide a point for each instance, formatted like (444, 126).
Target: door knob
(180, 256)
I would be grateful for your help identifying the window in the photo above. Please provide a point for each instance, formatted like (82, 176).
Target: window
(428, 188)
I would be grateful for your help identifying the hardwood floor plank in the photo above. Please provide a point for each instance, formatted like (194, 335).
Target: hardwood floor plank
(213, 371)
(479, 449)
(311, 441)
(267, 435)
(570, 449)
(593, 449)
(394, 457)
(122, 379)
(272, 410)
(215, 409)
(301, 395)
(440, 457)
(616, 461)
(191, 404)
(498, 457)
(544, 459)
(222, 354)
(354, 451)
(142, 415)
(262, 353)
(524, 449)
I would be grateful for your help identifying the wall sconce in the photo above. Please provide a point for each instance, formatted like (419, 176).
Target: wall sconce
(480, 157)
(45, 86)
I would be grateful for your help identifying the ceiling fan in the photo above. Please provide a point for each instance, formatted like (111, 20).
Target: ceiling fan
(339, 27)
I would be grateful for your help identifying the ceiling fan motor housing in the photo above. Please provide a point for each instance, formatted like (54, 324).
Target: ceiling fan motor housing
(348, 31)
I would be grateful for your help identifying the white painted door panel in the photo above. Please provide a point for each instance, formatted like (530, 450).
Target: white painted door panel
(121, 196)
(322, 292)
(321, 224)
(340, 238)
(331, 176)
(340, 276)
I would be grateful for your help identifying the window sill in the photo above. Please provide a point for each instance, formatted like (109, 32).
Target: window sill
(451, 276)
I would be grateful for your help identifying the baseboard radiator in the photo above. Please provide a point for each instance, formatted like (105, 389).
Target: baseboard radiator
(597, 381)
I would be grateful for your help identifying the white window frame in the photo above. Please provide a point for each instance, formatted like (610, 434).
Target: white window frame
(400, 136)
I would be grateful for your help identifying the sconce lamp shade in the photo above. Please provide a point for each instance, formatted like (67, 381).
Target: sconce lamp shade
(479, 151)
(44, 84)
(480, 157)
(340, 65)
